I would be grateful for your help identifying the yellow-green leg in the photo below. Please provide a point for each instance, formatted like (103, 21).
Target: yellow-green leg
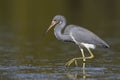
(84, 73)
(75, 59)
(83, 57)
(91, 54)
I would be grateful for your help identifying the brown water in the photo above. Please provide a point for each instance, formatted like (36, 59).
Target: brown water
(27, 54)
(30, 61)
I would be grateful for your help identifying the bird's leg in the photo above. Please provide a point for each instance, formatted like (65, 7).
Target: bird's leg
(71, 61)
(76, 63)
(84, 68)
(91, 54)
(75, 59)
(83, 55)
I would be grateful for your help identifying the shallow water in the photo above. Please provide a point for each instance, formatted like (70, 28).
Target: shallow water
(26, 53)
(31, 62)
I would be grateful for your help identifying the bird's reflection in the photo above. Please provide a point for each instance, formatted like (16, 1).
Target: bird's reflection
(75, 75)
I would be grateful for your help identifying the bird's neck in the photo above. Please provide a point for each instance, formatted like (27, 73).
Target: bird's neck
(58, 31)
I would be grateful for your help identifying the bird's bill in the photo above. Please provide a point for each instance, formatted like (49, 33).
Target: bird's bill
(52, 24)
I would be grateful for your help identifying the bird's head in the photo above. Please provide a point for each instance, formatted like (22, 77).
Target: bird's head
(56, 20)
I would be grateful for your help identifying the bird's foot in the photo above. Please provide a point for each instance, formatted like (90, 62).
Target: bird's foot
(71, 61)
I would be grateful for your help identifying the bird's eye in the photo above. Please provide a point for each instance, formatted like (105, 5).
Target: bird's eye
(55, 20)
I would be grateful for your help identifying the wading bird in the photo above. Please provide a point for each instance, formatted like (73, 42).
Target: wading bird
(78, 35)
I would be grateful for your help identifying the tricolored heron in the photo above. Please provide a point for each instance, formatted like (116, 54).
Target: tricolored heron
(78, 35)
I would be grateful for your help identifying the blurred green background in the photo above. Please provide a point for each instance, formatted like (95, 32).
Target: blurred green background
(23, 43)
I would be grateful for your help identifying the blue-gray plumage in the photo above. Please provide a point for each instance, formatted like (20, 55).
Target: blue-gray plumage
(78, 35)
(83, 35)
